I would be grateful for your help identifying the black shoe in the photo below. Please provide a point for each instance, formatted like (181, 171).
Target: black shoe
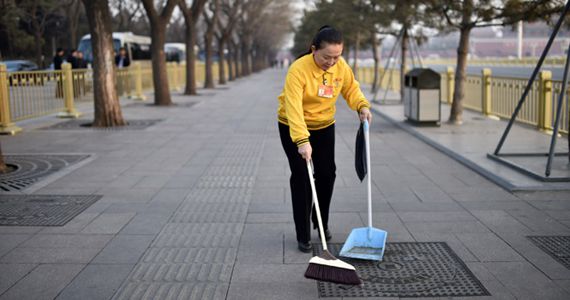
(328, 235)
(305, 247)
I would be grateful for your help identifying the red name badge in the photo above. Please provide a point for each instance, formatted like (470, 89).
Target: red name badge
(325, 91)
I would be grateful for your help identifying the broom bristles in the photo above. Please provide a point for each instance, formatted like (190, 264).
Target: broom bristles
(331, 273)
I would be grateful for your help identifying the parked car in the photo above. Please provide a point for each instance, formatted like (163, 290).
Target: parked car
(20, 65)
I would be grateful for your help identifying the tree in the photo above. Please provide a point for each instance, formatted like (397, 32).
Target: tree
(107, 107)
(211, 23)
(158, 21)
(226, 24)
(466, 15)
(3, 167)
(191, 15)
(73, 10)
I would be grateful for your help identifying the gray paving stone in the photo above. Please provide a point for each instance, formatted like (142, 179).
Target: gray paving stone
(67, 241)
(146, 223)
(96, 282)
(19, 229)
(211, 217)
(44, 282)
(124, 249)
(177, 290)
(525, 282)
(269, 291)
(269, 218)
(540, 259)
(190, 255)
(196, 240)
(436, 216)
(539, 222)
(203, 228)
(498, 205)
(488, 247)
(447, 227)
(50, 255)
(11, 241)
(269, 273)
(451, 239)
(420, 207)
(500, 221)
(11, 273)
(261, 248)
(108, 223)
(74, 226)
(181, 272)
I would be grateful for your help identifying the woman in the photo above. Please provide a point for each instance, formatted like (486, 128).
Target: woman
(306, 124)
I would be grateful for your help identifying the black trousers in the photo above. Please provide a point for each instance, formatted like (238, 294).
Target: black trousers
(322, 142)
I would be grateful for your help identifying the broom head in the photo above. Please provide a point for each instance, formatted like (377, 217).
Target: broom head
(328, 268)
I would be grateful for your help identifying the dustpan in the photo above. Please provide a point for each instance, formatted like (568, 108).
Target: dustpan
(366, 242)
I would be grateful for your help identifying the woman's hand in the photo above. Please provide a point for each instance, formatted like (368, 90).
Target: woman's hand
(306, 151)
(365, 115)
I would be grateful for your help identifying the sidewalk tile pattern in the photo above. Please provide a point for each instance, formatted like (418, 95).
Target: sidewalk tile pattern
(32, 168)
(558, 247)
(42, 210)
(409, 269)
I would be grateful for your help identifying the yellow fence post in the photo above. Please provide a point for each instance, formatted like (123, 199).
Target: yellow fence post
(6, 125)
(138, 82)
(486, 91)
(67, 77)
(545, 100)
(450, 84)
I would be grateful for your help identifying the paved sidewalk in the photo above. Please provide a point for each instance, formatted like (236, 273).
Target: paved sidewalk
(198, 207)
(479, 135)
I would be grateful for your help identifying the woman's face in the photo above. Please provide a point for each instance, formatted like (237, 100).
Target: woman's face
(327, 56)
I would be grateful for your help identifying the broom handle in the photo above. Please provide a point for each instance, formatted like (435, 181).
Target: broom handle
(368, 180)
(317, 208)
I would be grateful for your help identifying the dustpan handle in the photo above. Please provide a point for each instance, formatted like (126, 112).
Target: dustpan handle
(368, 180)
(317, 208)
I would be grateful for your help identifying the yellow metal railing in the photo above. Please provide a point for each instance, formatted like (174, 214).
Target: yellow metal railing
(494, 95)
(26, 95)
(525, 61)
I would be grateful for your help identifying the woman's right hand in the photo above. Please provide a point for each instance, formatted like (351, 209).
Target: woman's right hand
(306, 151)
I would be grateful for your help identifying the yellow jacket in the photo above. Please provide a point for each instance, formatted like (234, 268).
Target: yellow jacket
(302, 109)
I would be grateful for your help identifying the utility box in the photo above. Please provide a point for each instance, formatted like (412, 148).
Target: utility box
(422, 89)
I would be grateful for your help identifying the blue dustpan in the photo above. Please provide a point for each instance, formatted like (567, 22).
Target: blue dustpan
(366, 242)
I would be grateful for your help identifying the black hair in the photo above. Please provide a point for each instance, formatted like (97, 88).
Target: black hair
(58, 50)
(326, 34)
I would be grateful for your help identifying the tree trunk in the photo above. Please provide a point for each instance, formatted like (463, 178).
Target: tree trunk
(159, 74)
(209, 79)
(237, 67)
(190, 56)
(221, 61)
(107, 107)
(403, 62)
(74, 11)
(245, 52)
(456, 114)
(376, 56)
(356, 50)
(231, 74)
(3, 167)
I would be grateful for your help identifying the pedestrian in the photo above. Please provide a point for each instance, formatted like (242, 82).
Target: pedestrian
(122, 59)
(81, 62)
(58, 59)
(72, 58)
(307, 125)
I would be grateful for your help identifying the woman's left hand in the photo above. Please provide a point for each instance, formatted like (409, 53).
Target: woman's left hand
(365, 115)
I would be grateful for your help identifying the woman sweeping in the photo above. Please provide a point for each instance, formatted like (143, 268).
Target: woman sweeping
(306, 113)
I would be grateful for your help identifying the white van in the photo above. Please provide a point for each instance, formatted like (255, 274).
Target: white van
(137, 46)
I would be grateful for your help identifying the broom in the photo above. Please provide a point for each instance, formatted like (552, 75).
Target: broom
(326, 267)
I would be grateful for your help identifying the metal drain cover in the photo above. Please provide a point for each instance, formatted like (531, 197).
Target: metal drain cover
(42, 210)
(557, 246)
(85, 124)
(30, 169)
(428, 269)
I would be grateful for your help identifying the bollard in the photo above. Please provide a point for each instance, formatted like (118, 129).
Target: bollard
(450, 85)
(545, 101)
(67, 77)
(6, 125)
(486, 92)
(138, 82)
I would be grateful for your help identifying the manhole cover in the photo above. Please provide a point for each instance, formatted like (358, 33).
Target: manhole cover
(429, 269)
(30, 169)
(556, 246)
(85, 124)
(42, 210)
